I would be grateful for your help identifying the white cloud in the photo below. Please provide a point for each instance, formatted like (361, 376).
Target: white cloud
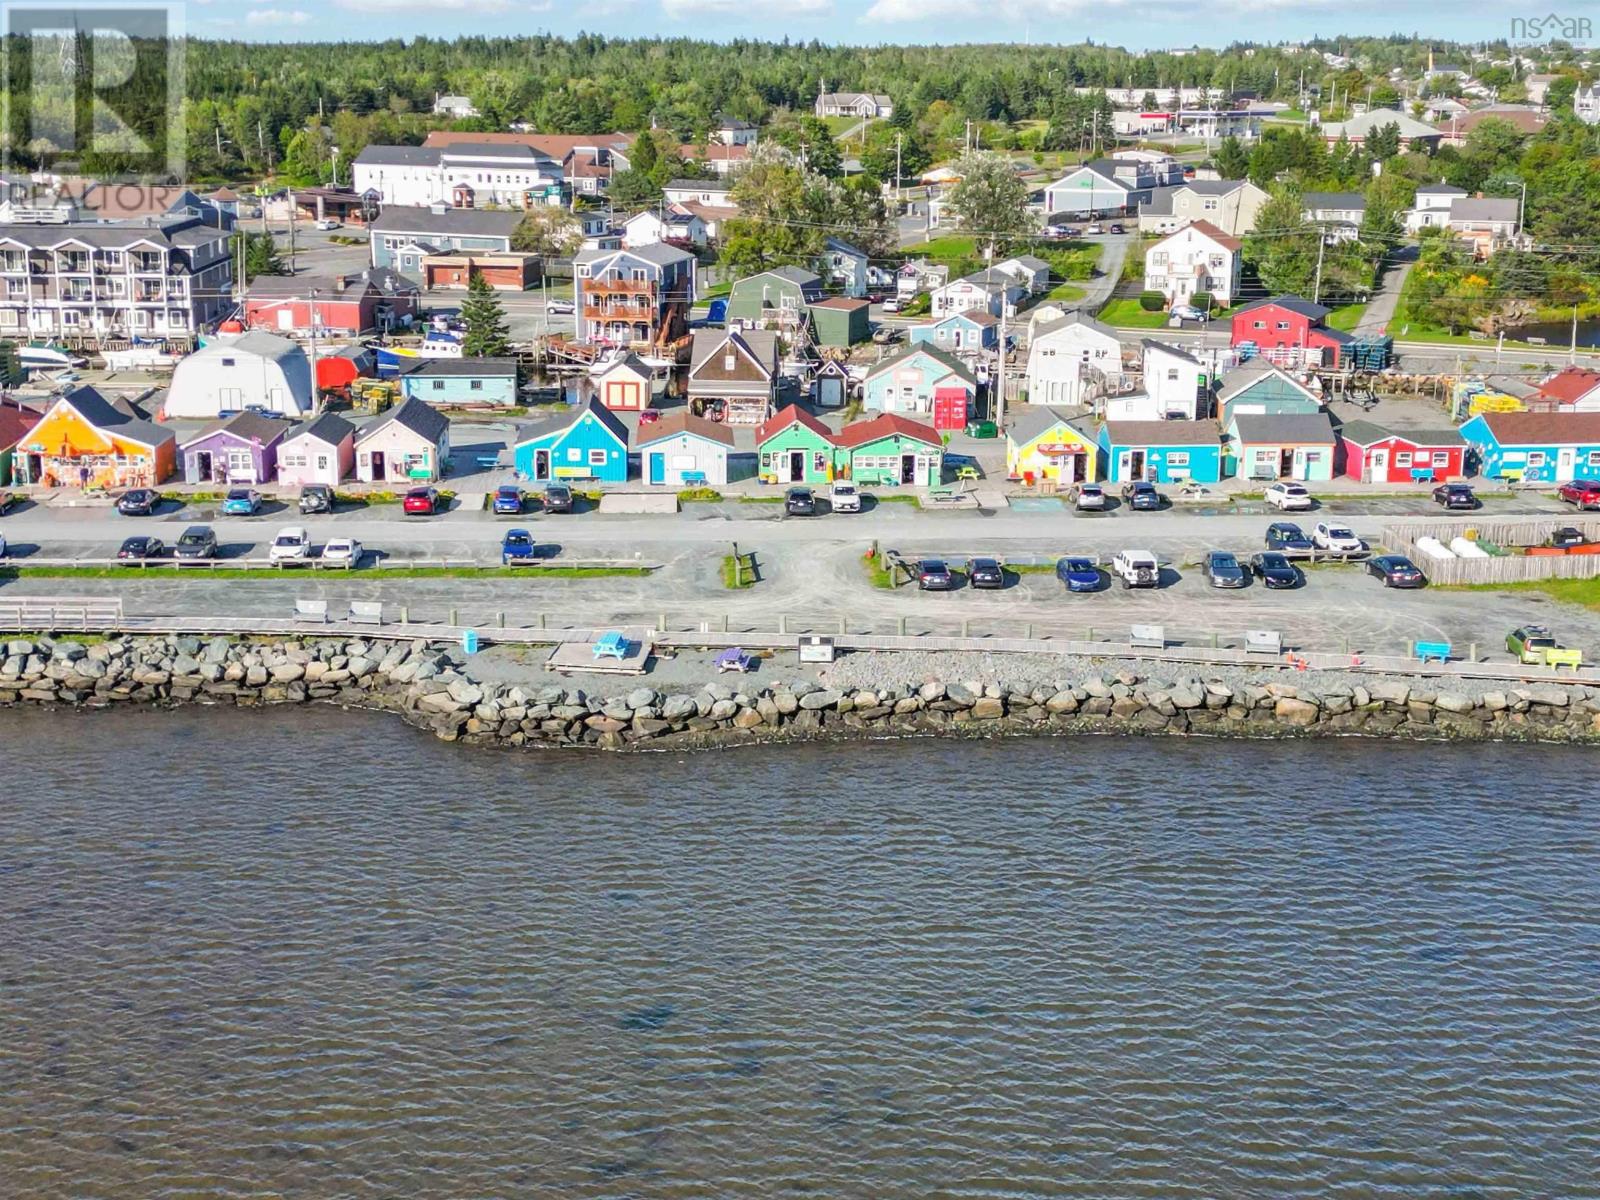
(277, 16)
(484, 8)
(747, 8)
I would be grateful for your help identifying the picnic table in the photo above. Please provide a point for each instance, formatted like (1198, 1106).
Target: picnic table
(966, 473)
(735, 658)
(611, 645)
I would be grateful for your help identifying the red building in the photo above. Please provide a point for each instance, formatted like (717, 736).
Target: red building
(1289, 331)
(1373, 453)
(1571, 389)
(345, 305)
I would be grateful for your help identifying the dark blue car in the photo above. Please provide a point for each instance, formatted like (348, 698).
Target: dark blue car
(516, 547)
(508, 501)
(1079, 574)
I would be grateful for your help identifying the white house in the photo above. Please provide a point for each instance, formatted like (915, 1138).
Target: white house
(408, 444)
(1030, 272)
(867, 105)
(1197, 258)
(462, 174)
(454, 107)
(1229, 204)
(1073, 361)
(1339, 214)
(988, 291)
(669, 224)
(717, 192)
(1176, 382)
(683, 450)
(232, 373)
(319, 451)
(1431, 208)
(1488, 223)
(845, 267)
(1086, 191)
(1586, 104)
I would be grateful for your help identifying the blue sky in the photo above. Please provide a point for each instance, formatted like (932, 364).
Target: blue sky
(1137, 24)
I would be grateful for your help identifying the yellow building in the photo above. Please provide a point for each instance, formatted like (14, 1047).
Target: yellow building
(85, 441)
(1044, 445)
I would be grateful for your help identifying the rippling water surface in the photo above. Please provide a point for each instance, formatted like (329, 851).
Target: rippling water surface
(319, 955)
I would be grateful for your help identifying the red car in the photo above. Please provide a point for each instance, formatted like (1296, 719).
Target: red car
(421, 501)
(649, 416)
(1585, 493)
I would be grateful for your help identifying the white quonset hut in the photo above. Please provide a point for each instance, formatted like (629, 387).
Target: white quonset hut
(235, 372)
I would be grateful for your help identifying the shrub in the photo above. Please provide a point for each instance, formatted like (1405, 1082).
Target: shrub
(920, 306)
(699, 495)
(1204, 301)
(1152, 301)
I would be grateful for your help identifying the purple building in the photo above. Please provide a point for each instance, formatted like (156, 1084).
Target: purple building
(241, 450)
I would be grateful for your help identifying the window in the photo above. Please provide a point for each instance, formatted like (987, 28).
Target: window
(1283, 326)
(1211, 206)
(1441, 458)
(8, 317)
(574, 454)
(438, 385)
(1402, 458)
(227, 362)
(1172, 374)
(597, 458)
(476, 385)
(1177, 458)
(1260, 324)
(69, 317)
(1536, 458)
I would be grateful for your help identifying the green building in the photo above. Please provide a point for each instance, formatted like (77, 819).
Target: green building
(795, 447)
(892, 451)
(771, 294)
(840, 321)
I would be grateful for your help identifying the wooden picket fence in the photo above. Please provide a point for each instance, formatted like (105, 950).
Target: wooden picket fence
(1498, 568)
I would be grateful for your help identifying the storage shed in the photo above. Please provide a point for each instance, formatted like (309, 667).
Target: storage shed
(683, 450)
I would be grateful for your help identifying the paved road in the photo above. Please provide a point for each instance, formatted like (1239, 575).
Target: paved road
(1098, 290)
(1380, 309)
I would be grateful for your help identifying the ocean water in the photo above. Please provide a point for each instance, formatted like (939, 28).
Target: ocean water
(314, 954)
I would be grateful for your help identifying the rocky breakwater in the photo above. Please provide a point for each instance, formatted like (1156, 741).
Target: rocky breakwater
(431, 687)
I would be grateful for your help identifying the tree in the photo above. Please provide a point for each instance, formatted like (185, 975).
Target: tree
(644, 155)
(485, 318)
(773, 228)
(990, 201)
(633, 189)
(260, 254)
(548, 231)
(1232, 160)
(1383, 143)
(1283, 247)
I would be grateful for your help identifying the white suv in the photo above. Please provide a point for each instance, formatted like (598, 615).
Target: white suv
(293, 544)
(1337, 538)
(843, 498)
(1289, 497)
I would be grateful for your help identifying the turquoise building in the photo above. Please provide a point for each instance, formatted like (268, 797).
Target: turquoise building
(587, 443)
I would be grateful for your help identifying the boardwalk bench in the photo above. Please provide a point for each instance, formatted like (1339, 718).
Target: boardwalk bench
(366, 612)
(1148, 637)
(311, 610)
(1263, 641)
(1429, 650)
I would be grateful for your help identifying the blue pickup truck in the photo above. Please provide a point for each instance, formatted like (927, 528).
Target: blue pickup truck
(517, 548)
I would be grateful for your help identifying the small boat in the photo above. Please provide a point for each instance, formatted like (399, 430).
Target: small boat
(48, 358)
(141, 355)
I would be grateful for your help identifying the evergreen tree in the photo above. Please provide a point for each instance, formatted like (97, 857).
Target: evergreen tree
(485, 318)
(643, 157)
(1232, 160)
(260, 254)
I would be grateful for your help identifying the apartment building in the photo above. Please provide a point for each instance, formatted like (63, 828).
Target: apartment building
(640, 294)
(116, 278)
(462, 174)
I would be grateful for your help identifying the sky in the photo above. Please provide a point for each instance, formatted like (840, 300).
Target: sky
(1136, 24)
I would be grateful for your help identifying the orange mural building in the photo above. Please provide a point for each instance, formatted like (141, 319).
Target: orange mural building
(86, 441)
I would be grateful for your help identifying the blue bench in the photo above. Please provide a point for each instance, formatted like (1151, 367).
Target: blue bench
(488, 461)
(1427, 650)
(694, 478)
(1421, 474)
(611, 645)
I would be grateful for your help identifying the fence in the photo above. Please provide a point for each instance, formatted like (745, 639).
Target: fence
(62, 612)
(1498, 568)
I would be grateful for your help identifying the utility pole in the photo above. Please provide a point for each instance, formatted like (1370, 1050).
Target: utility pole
(316, 393)
(292, 209)
(999, 406)
(1572, 350)
(898, 137)
(1322, 243)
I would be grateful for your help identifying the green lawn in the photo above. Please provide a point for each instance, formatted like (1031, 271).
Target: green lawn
(740, 573)
(1585, 593)
(1346, 317)
(1124, 312)
(837, 125)
(1289, 114)
(944, 249)
(1066, 291)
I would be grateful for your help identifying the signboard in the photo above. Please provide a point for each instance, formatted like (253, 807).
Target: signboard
(815, 648)
(1058, 449)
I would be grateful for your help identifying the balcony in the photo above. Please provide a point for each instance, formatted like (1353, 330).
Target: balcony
(601, 287)
(615, 311)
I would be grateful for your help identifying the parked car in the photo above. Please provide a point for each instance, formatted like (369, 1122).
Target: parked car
(1337, 538)
(843, 497)
(982, 429)
(649, 416)
(139, 502)
(800, 502)
(1136, 568)
(1529, 642)
(136, 549)
(316, 498)
(1141, 496)
(1455, 495)
(508, 500)
(1274, 570)
(562, 307)
(1585, 493)
(7, 500)
(1223, 570)
(986, 573)
(293, 544)
(883, 335)
(1079, 574)
(242, 502)
(2, 545)
(1092, 231)
(557, 498)
(1188, 312)
(1288, 497)
(892, 304)
(934, 576)
(1567, 536)
(1089, 497)
(516, 547)
(1396, 571)
(1288, 537)
(342, 552)
(327, 225)
(1116, 227)
(421, 502)
(197, 541)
